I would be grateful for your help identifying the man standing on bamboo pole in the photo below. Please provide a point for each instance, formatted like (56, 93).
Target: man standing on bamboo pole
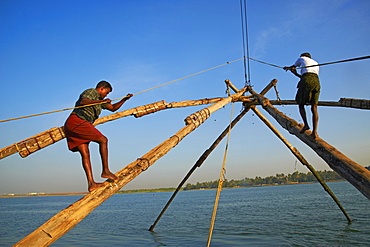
(308, 89)
(80, 131)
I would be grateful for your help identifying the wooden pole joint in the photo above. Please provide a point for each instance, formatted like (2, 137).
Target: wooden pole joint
(150, 108)
(143, 163)
(198, 117)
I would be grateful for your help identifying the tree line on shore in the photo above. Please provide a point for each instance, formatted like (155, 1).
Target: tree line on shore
(278, 179)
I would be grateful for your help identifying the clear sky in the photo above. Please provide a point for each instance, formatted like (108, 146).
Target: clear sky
(53, 50)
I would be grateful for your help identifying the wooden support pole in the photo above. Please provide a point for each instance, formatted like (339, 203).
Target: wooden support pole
(68, 218)
(300, 157)
(354, 173)
(206, 153)
(347, 103)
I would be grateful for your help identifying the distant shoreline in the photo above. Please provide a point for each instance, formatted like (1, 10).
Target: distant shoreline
(44, 194)
(147, 190)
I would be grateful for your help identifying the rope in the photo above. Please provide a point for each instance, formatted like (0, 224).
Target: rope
(340, 61)
(249, 58)
(66, 109)
(273, 65)
(277, 93)
(220, 181)
(322, 64)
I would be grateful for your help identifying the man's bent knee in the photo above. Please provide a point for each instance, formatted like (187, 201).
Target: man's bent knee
(102, 139)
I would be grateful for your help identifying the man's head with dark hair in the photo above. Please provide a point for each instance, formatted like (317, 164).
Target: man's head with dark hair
(306, 54)
(104, 84)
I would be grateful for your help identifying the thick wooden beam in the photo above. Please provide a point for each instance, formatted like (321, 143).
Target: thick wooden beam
(354, 173)
(34, 143)
(343, 102)
(68, 218)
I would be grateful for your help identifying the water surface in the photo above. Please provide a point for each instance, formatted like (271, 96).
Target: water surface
(289, 215)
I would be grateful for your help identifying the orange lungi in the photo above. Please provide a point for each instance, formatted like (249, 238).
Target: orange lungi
(79, 131)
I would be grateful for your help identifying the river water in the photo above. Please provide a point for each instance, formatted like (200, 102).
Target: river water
(288, 215)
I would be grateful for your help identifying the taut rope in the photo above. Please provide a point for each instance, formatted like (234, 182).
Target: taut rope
(66, 109)
(340, 61)
(71, 108)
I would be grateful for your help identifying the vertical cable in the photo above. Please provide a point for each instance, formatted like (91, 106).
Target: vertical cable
(244, 22)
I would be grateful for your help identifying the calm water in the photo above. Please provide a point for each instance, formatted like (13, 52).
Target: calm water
(290, 215)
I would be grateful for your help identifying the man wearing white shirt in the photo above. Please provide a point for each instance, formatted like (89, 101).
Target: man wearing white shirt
(308, 89)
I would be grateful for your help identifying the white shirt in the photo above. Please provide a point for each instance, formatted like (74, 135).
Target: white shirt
(306, 61)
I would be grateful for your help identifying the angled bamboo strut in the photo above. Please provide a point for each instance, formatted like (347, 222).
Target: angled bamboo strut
(206, 153)
(197, 164)
(68, 218)
(295, 152)
(300, 157)
(354, 173)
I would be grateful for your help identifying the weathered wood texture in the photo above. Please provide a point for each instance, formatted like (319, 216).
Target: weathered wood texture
(34, 143)
(343, 102)
(68, 218)
(354, 173)
(355, 103)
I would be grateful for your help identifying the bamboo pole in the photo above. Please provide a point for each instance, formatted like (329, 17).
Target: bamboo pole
(354, 173)
(53, 135)
(68, 218)
(300, 157)
(206, 153)
(343, 102)
(150, 108)
(34, 143)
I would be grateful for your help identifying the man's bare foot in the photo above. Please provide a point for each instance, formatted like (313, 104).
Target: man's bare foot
(109, 175)
(94, 186)
(305, 127)
(314, 135)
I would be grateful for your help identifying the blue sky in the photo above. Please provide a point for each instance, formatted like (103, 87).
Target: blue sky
(53, 50)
